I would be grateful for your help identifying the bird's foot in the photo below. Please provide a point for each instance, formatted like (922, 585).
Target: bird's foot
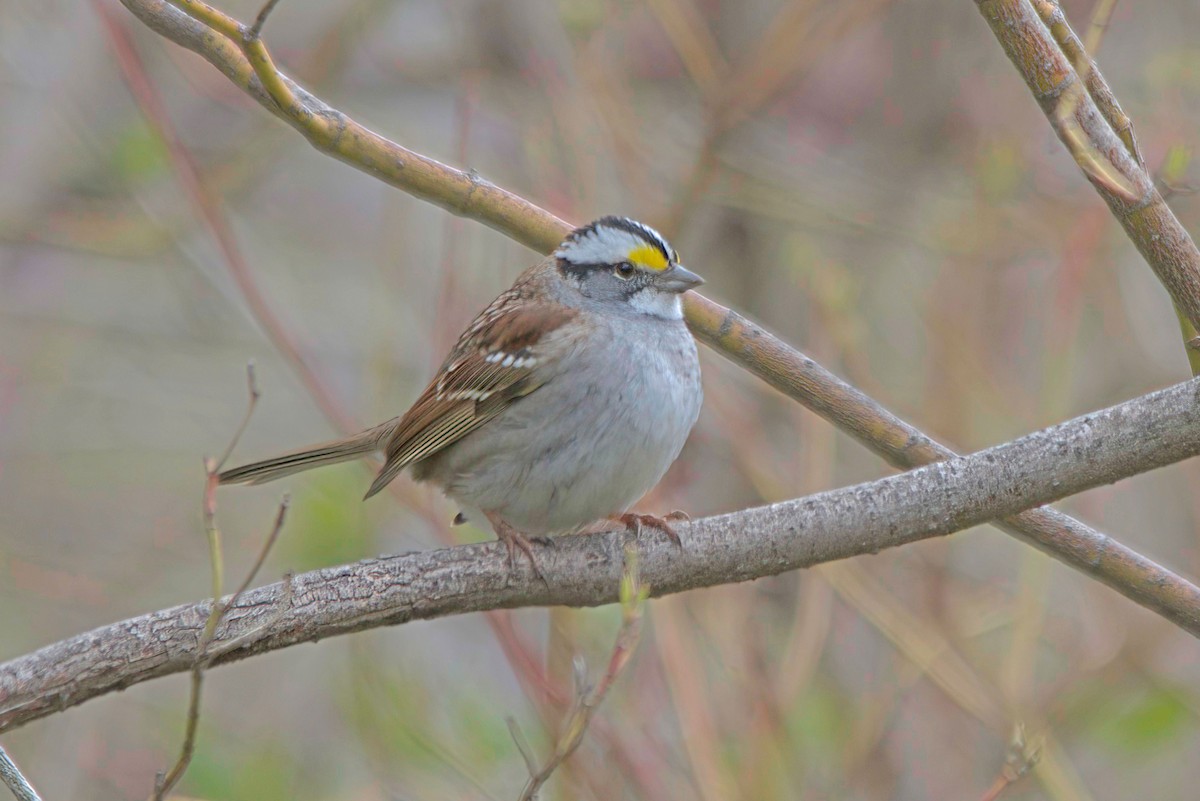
(514, 540)
(635, 522)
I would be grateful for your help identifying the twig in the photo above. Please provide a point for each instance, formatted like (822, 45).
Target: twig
(260, 20)
(1049, 56)
(252, 388)
(1081, 55)
(587, 699)
(522, 745)
(281, 608)
(204, 656)
(1066, 459)
(16, 781)
(166, 781)
(209, 212)
(280, 515)
(1054, 18)
(1101, 17)
(1020, 758)
(1086, 155)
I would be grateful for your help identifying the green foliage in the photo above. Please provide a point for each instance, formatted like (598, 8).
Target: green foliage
(138, 154)
(1176, 163)
(481, 733)
(1000, 170)
(390, 715)
(818, 724)
(1139, 723)
(581, 17)
(328, 523)
(248, 771)
(417, 736)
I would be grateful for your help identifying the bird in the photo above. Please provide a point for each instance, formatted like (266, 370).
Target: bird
(561, 404)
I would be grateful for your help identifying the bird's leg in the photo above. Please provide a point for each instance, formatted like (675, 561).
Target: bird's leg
(635, 521)
(513, 540)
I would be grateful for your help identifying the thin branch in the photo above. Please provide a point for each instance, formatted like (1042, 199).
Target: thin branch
(903, 445)
(1020, 757)
(1041, 45)
(12, 777)
(268, 544)
(213, 217)
(254, 395)
(166, 781)
(585, 570)
(460, 192)
(633, 594)
(261, 20)
(1090, 160)
(738, 339)
(1097, 27)
(205, 652)
(1052, 15)
(522, 745)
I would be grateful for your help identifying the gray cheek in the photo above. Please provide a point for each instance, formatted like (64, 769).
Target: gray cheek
(601, 285)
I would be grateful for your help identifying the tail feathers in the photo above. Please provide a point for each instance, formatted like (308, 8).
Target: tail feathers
(341, 450)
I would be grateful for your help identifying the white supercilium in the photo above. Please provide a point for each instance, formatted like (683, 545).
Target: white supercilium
(605, 244)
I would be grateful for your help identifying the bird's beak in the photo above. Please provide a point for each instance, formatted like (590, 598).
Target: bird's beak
(678, 278)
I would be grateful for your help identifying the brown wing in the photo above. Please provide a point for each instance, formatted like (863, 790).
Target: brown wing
(494, 363)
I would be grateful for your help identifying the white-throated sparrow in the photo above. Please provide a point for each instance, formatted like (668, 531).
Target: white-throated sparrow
(562, 403)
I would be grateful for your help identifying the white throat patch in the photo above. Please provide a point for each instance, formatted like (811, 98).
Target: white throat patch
(665, 305)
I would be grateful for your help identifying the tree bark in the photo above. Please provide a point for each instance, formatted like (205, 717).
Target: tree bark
(585, 570)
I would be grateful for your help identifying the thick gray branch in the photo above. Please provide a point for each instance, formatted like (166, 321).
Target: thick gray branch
(1099, 448)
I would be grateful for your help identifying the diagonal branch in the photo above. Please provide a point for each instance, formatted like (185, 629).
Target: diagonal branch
(585, 570)
(731, 335)
(1041, 45)
(11, 775)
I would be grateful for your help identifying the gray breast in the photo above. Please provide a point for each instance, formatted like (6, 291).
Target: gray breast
(591, 441)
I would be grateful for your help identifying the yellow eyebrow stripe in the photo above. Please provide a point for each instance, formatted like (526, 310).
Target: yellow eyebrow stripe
(649, 257)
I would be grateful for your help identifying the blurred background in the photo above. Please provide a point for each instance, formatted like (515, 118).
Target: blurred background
(871, 180)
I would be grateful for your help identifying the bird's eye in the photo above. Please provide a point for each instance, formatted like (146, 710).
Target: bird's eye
(624, 270)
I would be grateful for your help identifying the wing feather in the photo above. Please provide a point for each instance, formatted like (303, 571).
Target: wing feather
(494, 364)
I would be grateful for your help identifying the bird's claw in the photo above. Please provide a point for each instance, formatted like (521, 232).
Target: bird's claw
(513, 540)
(635, 522)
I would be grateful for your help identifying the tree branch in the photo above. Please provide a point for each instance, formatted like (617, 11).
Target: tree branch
(12, 777)
(1038, 47)
(585, 570)
(733, 336)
